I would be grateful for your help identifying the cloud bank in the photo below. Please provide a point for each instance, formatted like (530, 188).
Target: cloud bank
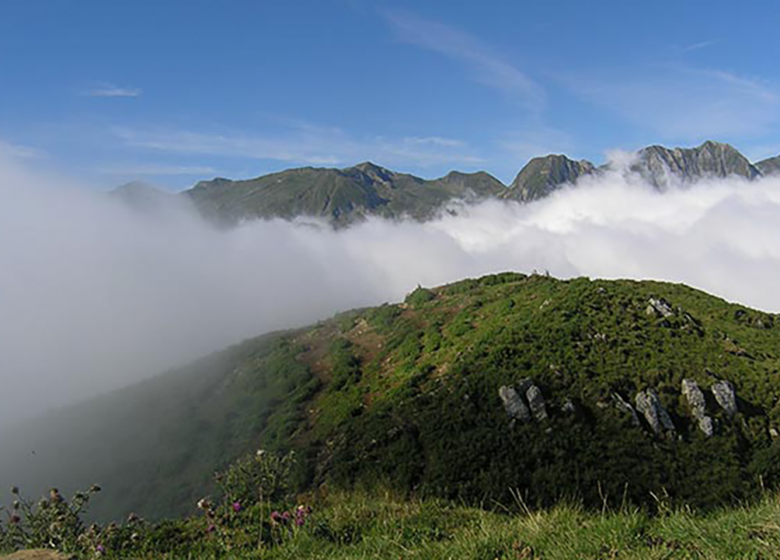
(95, 295)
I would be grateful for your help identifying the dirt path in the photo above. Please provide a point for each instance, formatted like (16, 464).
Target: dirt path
(37, 555)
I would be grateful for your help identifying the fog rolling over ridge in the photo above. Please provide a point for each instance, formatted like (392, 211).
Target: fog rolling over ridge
(95, 295)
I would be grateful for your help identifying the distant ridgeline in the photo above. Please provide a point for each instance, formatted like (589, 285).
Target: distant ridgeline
(616, 391)
(346, 196)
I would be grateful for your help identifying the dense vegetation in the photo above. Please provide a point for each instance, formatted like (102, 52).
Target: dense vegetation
(406, 397)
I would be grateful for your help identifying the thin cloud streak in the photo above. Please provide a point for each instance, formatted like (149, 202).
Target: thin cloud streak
(111, 90)
(485, 66)
(699, 46)
(687, 104)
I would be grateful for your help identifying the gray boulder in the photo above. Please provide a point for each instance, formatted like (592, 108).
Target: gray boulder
(626, 408)
(649, 405)
(568, 407)
(660, 307)
(726, 397)
(536, 402)
(513, 403)
(695, 398)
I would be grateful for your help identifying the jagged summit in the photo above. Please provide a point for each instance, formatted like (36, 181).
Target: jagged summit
(542, 175)
(661, 166)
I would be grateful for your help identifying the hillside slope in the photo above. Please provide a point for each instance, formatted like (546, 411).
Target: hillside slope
(428, 396)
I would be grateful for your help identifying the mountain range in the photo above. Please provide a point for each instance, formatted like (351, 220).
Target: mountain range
(349, 195)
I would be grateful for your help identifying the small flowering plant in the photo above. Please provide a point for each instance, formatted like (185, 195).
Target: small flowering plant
(254, 511)
(261, 477)
(52, 522)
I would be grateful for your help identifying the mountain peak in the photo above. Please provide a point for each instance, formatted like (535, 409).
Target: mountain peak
(542, 175)
(661, 166)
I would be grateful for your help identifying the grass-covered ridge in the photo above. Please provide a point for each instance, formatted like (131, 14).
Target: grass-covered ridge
(406, 396)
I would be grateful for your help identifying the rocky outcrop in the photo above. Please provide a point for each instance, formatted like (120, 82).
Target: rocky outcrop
(536, 402)
(517, 408)
(726, 397)
(649, 405)
(513, 403)
(660, 307)
(698, 406)
(568, 407)
(626, 408)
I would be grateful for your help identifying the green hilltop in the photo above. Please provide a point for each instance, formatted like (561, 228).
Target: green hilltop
(426, 398)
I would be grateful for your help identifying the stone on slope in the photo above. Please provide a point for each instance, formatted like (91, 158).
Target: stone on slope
(695, 398)
(536, 402)
(649, 405)
(660, 307)
(513, 403)
(724, 394)
(626, 408)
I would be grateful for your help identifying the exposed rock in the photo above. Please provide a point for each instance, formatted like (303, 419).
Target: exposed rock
(695, 398)
(649, 405)
(660, 307)
(568, 407)
(536, 402)
(625, 407)
(724, 394)
(773, 433)
(513, 403)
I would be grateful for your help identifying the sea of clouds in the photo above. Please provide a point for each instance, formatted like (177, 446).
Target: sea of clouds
(95, 295)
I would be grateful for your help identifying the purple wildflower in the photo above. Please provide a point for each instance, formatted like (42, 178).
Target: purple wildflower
(100, 549)
(276, 517)
(236, 506)
(211, 528)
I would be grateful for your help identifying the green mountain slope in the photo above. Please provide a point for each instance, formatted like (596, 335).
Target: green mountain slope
(418, 396)
(340, 195)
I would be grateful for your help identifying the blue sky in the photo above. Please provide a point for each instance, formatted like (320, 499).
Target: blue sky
(175, 91)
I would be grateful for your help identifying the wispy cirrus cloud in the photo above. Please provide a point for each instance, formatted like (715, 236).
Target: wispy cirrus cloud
(698, 46)
(486, 66)
(683, 103)
(111, 90)
(304, 143)
(20, 152)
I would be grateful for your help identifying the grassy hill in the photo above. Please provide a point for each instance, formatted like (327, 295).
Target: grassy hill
(407, 397)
